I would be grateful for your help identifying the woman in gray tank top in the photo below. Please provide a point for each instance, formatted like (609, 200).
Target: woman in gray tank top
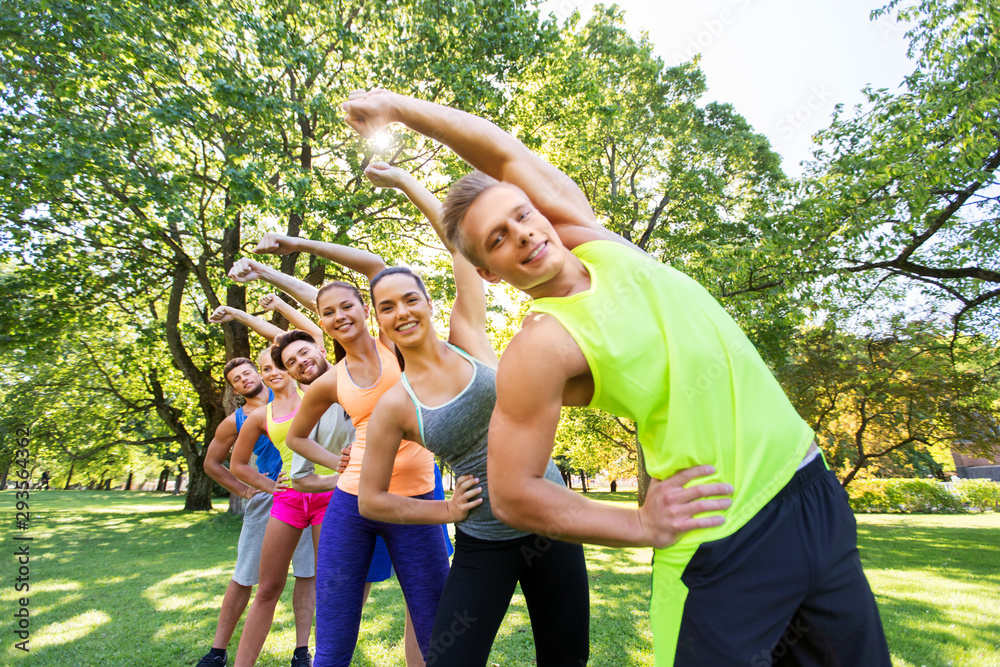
(445, 401)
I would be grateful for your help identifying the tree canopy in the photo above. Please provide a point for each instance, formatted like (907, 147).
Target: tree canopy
(147, 146)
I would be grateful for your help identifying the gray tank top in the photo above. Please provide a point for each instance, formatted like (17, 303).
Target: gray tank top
(457, 432)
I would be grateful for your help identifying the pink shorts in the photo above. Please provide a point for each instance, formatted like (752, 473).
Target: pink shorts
(299, 509)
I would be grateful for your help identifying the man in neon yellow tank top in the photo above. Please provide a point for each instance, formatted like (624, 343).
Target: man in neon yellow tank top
(757, 562)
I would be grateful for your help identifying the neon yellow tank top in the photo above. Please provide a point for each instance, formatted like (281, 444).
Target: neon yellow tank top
(277, 431)
(665, 354)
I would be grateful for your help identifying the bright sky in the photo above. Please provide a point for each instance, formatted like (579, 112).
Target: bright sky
(782, 64)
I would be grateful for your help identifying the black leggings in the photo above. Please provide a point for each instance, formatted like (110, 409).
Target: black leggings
(553, 577)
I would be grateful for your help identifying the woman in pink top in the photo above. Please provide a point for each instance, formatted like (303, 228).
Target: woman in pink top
(291, 513)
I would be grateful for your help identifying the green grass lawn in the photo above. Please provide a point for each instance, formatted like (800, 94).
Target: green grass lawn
(129, 578)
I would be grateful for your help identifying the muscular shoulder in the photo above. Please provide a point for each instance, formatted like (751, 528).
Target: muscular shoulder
(256, 419)
(546, 344)
(227, 429)
(544, 357)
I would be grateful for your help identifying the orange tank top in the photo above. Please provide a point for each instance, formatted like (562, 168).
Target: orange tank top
(413, 470)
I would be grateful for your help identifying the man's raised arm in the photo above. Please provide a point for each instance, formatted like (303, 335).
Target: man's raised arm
(480, 143)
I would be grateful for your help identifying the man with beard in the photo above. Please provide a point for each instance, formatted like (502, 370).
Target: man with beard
(241, 374)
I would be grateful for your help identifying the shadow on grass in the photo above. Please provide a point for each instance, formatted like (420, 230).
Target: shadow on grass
(926, 634)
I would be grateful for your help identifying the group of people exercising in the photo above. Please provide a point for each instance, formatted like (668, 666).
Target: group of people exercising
(751, 532)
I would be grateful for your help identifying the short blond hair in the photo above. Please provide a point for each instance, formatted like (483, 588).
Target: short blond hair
(461, 196)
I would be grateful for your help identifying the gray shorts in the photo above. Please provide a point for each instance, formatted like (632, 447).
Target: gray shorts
(255, 518)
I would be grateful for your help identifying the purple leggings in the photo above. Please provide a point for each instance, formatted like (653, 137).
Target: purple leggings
(346, 543)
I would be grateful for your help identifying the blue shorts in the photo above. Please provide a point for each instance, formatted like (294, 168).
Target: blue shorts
(381, 567)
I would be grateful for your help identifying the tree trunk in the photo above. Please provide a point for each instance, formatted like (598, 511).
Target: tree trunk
(583, 480)
(177, 482)
(237, 505)
(128, 484)
(161, 484)
(641, 474)
(199, 494)
(862, 462)
(70, 475)
(3, 480)
(614, 486)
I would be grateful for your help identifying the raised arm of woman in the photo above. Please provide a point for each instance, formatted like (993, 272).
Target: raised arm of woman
(468, 313)
(228, 314)
(294, 316)
(355, 259)
(247, 270)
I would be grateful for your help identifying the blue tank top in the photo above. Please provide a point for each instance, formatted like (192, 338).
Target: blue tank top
(268, 458)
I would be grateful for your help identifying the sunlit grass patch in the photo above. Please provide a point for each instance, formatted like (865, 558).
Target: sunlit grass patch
(70, 630)
(123, 581)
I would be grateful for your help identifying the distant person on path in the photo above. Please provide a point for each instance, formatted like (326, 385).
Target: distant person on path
(612, 328)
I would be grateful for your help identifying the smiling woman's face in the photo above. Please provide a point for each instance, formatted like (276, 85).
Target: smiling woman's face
(341, 314)
(273, 377)
(402, 309)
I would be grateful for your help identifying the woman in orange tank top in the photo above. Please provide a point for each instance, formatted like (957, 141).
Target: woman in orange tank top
(366, 368)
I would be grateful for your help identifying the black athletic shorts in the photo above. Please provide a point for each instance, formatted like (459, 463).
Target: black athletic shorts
(787, 588)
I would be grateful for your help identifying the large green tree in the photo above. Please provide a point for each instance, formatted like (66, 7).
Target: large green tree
(884, 401)
(145, 145)
(901, 198)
